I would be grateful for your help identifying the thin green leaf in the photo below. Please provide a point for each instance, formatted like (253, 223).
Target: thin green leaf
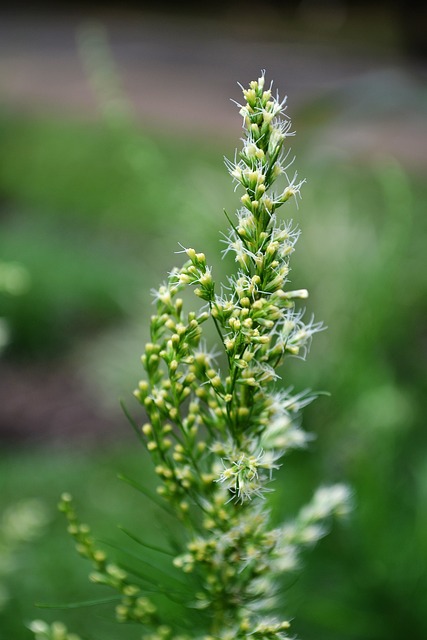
(231, 222)
(133, 423)
(146, 544)
(147, 493)
(151, 566)
(77, 605)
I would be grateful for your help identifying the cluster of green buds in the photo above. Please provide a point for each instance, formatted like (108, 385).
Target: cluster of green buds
(217, 419)
(133, 605)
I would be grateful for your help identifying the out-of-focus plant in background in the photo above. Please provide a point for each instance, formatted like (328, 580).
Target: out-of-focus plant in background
(90, 214)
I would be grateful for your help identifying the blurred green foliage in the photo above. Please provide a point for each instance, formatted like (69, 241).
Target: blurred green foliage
(94, 214)
(86, 211)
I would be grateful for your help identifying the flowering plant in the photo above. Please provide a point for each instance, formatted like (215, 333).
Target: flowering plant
(218, 422)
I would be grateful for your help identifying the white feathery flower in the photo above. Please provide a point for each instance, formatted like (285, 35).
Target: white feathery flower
(328, 501)
(244, 474)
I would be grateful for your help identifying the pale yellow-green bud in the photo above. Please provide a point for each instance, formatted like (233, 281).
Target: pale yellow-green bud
(302, 294)
(260, 190)
(185, 278)
(268, 324)
(178, 562)
(246, 201)
(205, 279)
(185, 392)
(251, 150)
(59, 631)
(292, 349)
(216, 382)
(148, 402)
(248, 356)
(208, 524)
(147, 429)
(230, 344)
(115, 572)
(175, 339)
(234, 324)
(250, 94)
(189, 378)
(143, 386)
(121, 612)
(277, 171)
(287, 193)
(99, 556)
(245, 625)
(267, 116)
(180, 329)
(151, 348)
(97, 577)
(243, 413)
(237, 173)
(258, 304)
(272, 249)
(266, 96)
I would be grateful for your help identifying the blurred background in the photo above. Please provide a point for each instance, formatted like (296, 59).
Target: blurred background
(114, 120)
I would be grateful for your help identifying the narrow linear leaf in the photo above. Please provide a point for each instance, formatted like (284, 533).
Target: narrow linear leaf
(147, 493)
(77, 605)
(132, 536)
(231, 222)
(133, 423)
(151, 566)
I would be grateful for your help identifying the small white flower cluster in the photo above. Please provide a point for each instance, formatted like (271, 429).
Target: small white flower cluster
(310, 525)
(245, 475)
(282, 431)
(327, 501)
